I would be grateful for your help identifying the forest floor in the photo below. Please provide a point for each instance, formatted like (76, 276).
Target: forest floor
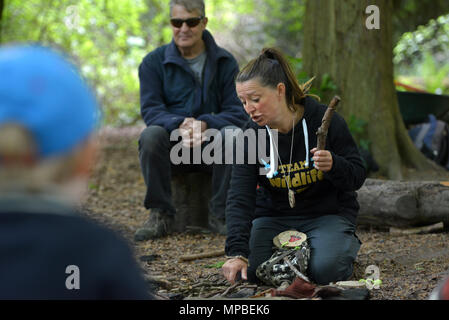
(410, 266)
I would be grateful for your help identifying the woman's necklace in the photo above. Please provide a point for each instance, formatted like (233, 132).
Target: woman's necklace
(291, 193)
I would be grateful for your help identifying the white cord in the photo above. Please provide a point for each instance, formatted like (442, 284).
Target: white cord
(306, 140)
(273, 162)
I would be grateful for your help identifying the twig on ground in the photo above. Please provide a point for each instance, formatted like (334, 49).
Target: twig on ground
(214, 293)
(231, 288)
(203, 255)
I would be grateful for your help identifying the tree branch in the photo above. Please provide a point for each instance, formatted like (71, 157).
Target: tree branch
(325, 122)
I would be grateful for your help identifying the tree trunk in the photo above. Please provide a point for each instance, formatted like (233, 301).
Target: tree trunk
(360, 62)
(403, 204)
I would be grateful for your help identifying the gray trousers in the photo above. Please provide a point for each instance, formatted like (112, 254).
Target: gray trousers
(332, 240)
(157, 170)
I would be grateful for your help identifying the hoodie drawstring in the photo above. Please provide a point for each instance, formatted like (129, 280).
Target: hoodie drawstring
(306, 140)
(273, 162)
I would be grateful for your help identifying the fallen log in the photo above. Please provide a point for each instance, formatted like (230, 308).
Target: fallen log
(403, 204)
(419, 230)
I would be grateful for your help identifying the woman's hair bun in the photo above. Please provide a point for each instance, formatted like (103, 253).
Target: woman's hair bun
(268, 53)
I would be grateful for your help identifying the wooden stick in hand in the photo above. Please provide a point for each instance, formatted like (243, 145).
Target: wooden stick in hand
(325, 122)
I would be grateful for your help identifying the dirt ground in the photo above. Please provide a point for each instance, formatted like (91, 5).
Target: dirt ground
(410, 266)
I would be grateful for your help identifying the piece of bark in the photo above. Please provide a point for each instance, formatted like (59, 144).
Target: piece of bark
(325, 123)
(209, 254)
(426, 229)
(402, 204)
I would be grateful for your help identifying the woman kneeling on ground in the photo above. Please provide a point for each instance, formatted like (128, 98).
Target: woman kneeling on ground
(305, 189)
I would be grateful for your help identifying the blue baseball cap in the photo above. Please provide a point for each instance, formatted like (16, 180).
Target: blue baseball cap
(41, 91)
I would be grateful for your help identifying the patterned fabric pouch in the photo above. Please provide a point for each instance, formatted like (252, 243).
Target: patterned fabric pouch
(290, 259)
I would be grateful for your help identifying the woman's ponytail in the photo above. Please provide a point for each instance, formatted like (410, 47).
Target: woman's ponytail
(271, 68)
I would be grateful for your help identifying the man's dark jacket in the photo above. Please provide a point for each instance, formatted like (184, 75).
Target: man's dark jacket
(169, 91)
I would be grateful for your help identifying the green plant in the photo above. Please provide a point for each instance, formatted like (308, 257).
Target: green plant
(420, 57)
(217, 265)
(357, 128)
(433, 75)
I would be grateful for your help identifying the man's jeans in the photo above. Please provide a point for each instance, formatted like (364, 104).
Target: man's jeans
(332, 240)
(157, 169)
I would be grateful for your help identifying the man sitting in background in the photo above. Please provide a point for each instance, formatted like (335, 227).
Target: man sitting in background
(186, 85)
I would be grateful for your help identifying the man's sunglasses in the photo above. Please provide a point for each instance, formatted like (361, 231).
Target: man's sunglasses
(191, 22)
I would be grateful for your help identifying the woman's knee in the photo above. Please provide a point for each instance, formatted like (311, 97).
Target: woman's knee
(334, 261)
(334, 248)
(330, 269)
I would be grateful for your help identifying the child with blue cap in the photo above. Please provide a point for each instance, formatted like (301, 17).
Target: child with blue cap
(48, 118)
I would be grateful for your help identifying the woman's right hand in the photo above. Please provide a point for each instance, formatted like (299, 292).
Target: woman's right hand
(232, 267)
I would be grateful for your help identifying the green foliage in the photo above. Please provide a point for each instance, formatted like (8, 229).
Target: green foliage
(434, 76)
(357, 127)
(108, 39)
(327, 85)
(93, 186)
(409, 14)
(424, 54)
(217, 265)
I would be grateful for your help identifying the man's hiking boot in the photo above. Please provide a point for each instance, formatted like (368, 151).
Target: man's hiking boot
(158, 225)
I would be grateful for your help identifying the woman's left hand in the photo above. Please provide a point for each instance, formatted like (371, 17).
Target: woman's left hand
(322, 159)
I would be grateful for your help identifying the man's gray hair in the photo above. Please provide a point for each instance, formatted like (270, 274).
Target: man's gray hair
(190, 5)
